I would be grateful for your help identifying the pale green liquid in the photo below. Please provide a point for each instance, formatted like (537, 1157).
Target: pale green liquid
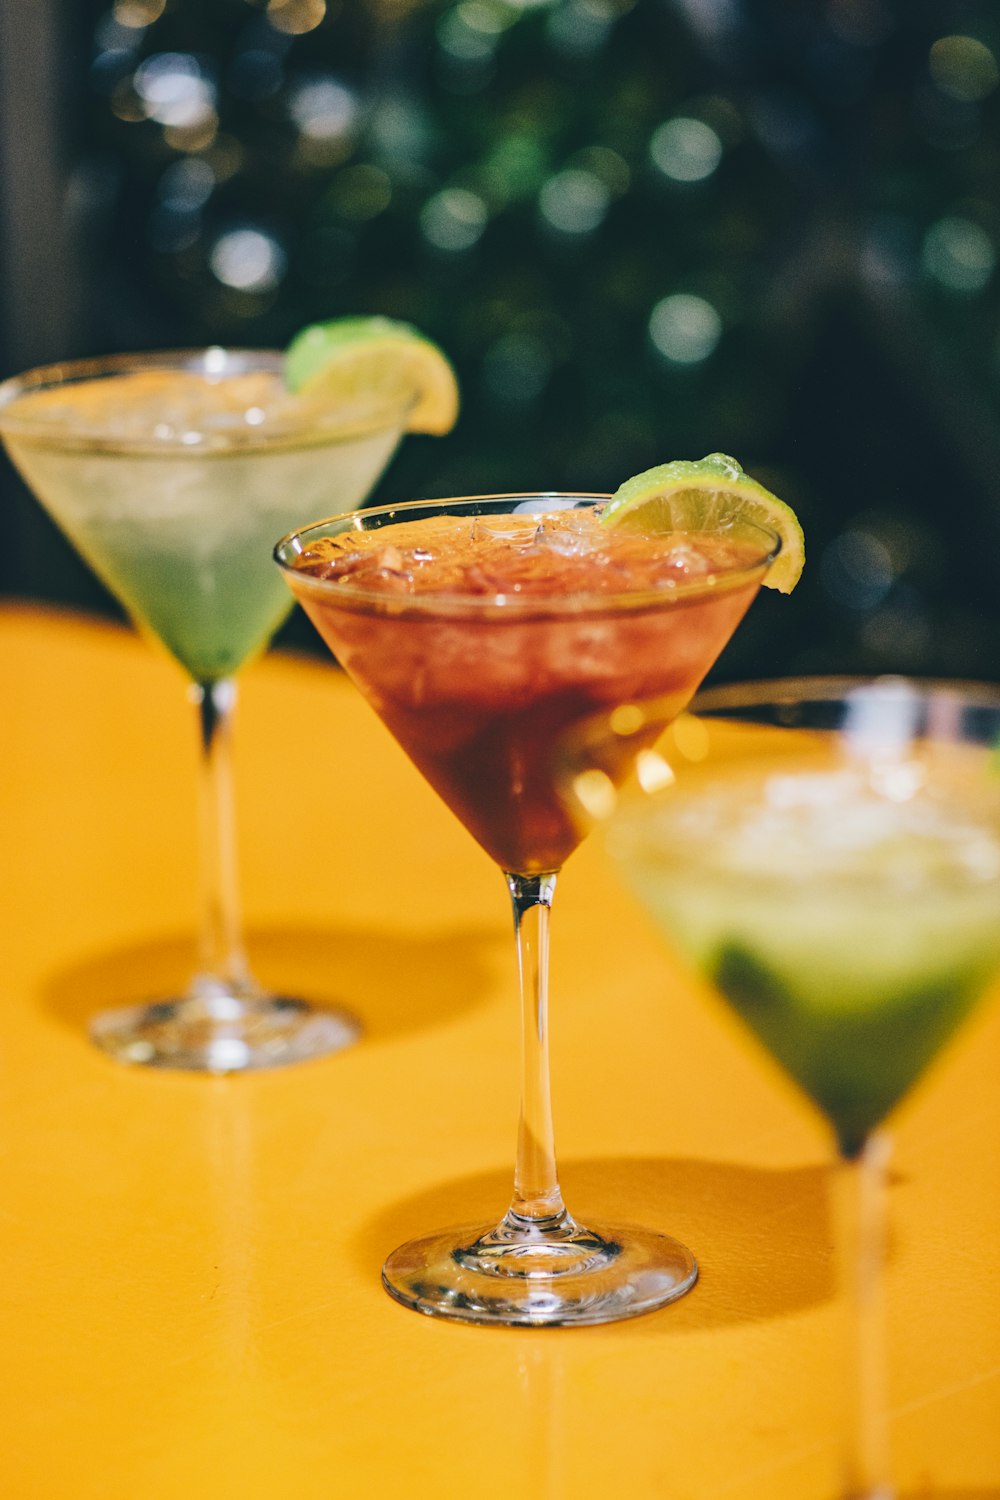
(184, 539)
(852, 938)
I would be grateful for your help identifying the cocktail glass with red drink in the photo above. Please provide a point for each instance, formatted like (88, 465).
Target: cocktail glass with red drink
(480, 629)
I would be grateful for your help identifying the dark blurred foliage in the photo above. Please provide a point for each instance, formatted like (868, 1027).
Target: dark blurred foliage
(640, 228)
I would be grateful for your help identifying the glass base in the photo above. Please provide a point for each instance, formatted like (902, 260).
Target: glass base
(222, 1031)
(523, 1278)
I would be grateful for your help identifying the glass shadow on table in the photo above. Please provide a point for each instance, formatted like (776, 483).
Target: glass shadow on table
(733, 1213)
(393, 983)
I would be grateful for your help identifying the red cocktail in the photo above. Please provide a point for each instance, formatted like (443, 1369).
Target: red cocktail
(479, 638)
(480, 630)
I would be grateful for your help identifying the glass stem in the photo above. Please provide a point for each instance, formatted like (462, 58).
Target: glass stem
(222, 964)
(863, 1192)
(537, 1203)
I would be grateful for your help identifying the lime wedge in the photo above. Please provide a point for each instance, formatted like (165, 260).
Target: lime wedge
(697, 494)
(352, 356)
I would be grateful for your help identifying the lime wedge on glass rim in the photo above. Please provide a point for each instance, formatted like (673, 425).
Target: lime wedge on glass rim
(351, 356)
(699, 494)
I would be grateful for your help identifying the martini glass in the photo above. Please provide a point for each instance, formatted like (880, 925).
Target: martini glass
(827, 854)
(479, 629)
(170, 473)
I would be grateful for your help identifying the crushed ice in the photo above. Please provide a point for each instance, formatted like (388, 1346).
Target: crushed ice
(829, 824)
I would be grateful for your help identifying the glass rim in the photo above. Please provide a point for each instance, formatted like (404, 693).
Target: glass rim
(821, 688)
(722, 579)
(894, 691)
(311, 426)
(614, 728)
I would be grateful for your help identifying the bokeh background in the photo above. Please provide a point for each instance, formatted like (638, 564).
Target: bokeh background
(642, 229)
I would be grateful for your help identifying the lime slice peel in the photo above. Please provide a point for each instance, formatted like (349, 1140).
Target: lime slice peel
(345, 357)
(701, 494)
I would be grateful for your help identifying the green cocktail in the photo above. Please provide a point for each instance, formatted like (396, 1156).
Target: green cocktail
(850, 930)
(827, 853)
(172, 481)
(172, 474)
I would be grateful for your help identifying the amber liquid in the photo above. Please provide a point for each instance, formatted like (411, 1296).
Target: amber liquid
(479, 652)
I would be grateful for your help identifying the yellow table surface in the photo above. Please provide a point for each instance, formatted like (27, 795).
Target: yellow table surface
(189, 1267)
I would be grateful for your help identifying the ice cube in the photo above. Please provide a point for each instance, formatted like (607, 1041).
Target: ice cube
(391, 566)
(564, 534)
(682, 560)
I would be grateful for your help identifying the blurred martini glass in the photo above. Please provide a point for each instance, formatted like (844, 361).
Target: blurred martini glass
(827, 853)
(171, 474)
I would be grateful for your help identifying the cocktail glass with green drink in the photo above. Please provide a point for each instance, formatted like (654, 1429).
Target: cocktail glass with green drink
(827, 854)
(171, 474)
(479, 629)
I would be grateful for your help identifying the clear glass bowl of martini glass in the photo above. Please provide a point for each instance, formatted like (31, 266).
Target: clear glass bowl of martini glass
(171, 473)
(827, 854)
(479, 629)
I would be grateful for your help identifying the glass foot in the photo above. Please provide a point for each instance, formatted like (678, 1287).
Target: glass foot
(222, 1032)
(525, 1279)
